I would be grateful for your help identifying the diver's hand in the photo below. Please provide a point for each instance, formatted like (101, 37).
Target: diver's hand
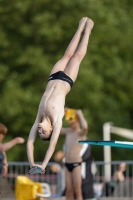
(37, 169)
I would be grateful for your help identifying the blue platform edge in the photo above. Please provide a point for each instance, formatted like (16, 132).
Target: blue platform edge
(123, 144)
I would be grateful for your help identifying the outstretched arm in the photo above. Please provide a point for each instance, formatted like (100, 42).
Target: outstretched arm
(53, 142)
(30, 143)
(8, 145)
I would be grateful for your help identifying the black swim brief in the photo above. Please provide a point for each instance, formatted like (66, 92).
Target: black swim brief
(61, 76)
(71, 166)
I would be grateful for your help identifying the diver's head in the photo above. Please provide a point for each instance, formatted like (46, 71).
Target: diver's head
(45, 131)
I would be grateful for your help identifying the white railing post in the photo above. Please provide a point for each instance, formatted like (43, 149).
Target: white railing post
(108, 129)
(107, 151)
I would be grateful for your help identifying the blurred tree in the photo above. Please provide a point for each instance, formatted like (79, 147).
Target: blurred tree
(35, 34)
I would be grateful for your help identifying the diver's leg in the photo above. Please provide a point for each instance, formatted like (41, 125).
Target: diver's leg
(73, 66)
(62, 63)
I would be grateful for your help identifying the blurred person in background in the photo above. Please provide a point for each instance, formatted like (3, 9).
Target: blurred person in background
(88, 168)
(4, 147)
(58, 157)
(56, 168)
(77, 157)
(48, 122)
(119, 175)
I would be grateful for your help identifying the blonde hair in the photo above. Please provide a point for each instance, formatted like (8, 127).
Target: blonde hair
(3, 129)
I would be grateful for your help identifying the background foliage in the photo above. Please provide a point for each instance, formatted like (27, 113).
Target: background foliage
(34, 35)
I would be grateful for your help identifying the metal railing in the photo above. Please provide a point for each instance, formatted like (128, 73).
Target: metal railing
(22, 168)
(114, 188)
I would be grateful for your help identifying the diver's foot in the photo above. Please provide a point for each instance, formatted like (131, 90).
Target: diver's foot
(89, 25)
(82, 24)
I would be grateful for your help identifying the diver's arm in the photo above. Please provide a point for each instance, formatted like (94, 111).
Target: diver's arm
(30, 144)
(53, 142)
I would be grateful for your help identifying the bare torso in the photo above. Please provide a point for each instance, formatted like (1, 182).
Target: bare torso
(72, 148)
(53, 100)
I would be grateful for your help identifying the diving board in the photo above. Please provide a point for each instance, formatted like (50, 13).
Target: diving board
(122, 144)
